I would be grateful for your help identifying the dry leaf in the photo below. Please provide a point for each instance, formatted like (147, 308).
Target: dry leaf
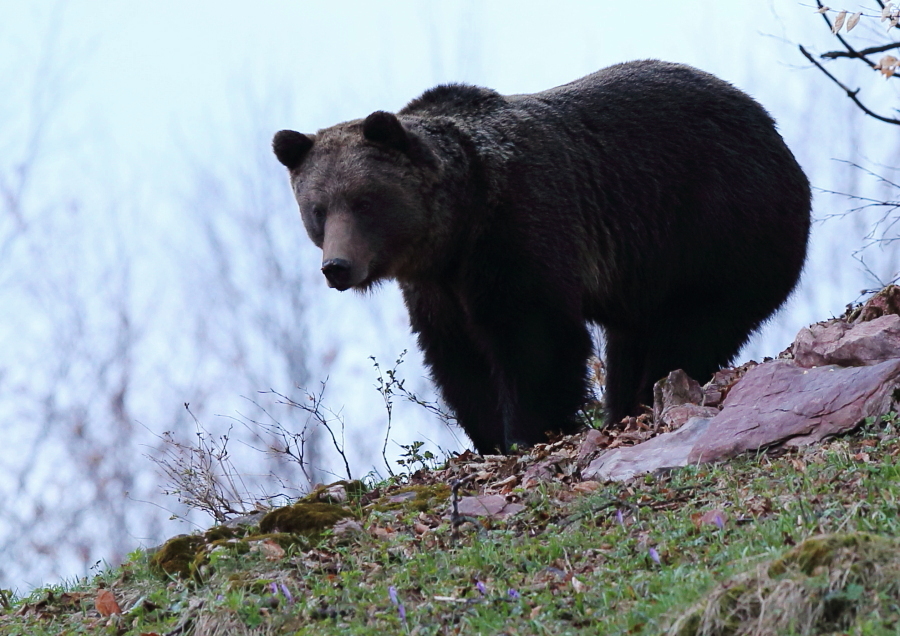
(535, 612)
(578, 586)
(383, 533)
(346, 528)
(886, 11)
(271, 550)
(887, 65)
(530, 482)
(838, 22)
(509, 481)
(853, 20)
(586, 486)
(72, 599)
(823, 9)
(106, 603)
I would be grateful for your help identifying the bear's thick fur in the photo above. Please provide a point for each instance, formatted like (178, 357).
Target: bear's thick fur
(650, 198)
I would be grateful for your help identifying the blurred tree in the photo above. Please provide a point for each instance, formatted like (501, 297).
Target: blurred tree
(244, 277)
(872, 51)
(68, 333)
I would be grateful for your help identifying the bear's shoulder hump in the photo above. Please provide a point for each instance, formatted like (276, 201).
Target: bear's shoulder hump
(449, 99)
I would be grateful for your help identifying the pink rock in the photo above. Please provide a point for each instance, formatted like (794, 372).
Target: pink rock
(669, 450)
(776, 403)
(782, 403)
(887, 301)
(676, 416)
(488, 506)
(674, 390)
(838, 342)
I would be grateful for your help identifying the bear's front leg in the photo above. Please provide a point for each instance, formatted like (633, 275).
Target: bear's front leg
(459, 365)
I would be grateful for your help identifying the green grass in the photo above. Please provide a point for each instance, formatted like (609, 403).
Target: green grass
(624, 559)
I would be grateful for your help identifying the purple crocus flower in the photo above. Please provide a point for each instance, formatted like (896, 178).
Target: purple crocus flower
(619, 518)
(514, 594)
(654, 555)
(392, 592)
(480, 587)
(287, 593)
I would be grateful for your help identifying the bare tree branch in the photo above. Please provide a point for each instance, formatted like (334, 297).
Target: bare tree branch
(852, 94)
(850, 50)
(861, 54)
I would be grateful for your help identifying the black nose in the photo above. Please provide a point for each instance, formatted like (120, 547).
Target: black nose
(337, 271)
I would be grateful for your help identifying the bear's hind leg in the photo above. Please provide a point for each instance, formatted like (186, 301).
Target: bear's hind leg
(698, 343)
(625, 360)
(541, 361)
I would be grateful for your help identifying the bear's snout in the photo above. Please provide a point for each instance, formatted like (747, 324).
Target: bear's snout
(346, 256)
(338, 271)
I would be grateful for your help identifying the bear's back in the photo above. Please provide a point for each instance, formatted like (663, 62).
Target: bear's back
(652, 98)
(454, 100)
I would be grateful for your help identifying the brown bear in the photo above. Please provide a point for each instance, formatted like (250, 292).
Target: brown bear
(651, 198)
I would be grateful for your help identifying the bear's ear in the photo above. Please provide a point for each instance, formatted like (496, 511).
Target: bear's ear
(291, 147)
(384, 128)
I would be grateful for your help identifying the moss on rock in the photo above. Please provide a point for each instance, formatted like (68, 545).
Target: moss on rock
(176, 557)
(302, 524)
(223, 533)
(307, 519)
(415, 498)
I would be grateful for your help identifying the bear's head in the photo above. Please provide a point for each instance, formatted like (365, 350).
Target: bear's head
(361, 188)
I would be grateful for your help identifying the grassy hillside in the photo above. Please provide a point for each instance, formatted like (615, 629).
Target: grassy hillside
(724, 547)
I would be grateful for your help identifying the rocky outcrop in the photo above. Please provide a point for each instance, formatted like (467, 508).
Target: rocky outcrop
(834, 376)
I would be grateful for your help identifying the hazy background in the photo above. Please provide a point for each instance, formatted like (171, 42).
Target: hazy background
(151, 254)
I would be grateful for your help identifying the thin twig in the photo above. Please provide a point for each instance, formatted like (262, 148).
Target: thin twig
(316, 411)
(386, 389)
(850, 93)
(853, 52)
(861, 54)
(456, 519)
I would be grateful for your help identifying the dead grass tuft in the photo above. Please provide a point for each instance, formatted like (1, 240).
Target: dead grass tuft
(821, 586)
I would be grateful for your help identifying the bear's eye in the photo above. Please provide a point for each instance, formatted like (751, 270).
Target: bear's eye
(318, 211)
(363, 205)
